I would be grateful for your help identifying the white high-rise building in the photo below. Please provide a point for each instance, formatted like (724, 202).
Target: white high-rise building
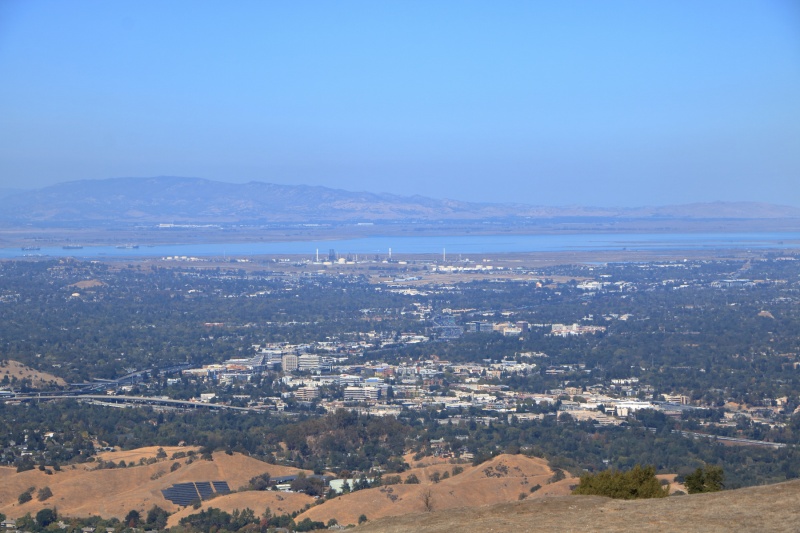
(308, 363)
(289, 362)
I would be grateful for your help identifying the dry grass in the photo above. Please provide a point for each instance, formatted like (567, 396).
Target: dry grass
(80, 491)
(278, 503)
(38, 379)
(482, 498)
(502, 479)
(148, 452)
(768, 508)
(87, 284)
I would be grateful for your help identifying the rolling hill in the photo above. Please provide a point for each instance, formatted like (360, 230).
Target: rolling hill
(181, 200)
(83, 490)
(503, 479)
(494, 496)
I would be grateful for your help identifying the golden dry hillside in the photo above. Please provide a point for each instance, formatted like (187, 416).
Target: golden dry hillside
(278, 503)
(503, 479)
(490, 491)
(771, 508)
(82, 491)
(15, 369)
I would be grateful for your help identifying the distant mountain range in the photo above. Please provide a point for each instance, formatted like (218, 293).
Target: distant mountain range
(200, 201)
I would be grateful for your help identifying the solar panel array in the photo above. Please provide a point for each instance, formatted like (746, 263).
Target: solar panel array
(204, 488)
(221, 487)
(184, 494)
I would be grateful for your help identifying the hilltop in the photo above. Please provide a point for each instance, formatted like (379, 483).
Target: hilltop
(504, 478)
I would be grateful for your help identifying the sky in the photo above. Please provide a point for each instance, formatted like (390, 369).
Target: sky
(614, 103)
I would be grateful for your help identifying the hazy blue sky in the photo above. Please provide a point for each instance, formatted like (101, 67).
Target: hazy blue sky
(604, 103)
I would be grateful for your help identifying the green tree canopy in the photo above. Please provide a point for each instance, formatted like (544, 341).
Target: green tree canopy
(707, 479)
(638, 482)
(45, 517)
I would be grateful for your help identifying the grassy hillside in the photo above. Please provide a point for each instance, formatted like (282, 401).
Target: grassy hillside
(766, 508)
(502, 479)
(14, 369)
(82, 491)
(495, 495)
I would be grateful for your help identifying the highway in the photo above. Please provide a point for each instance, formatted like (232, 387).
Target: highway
(747, 442)
(132, 400)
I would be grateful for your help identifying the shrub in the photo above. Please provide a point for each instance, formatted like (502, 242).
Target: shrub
(25, 465)
(639, 482)
(26, 496)
(43, 494)
(558, 475)
(412, 479)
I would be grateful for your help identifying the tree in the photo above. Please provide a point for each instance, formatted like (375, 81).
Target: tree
(157, 517)
(26, 523)
(307, 524)
(132, 518)
(45, 517)
(25, 464)
(259, 482)
(638, 482)
(706, 479)
(44, 493)
(310, 485)
(362, 519)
